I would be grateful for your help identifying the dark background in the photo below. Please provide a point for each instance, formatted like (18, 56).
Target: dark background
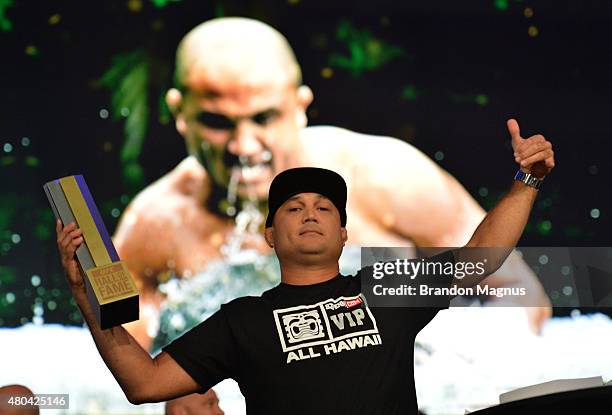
(442, 75)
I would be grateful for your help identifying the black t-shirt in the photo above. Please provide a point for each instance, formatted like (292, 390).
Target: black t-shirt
(313, 349)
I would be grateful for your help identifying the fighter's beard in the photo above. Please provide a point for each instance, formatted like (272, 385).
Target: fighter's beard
(224, 199)
(219, 203)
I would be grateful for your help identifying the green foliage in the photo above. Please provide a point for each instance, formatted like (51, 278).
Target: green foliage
(164, 112)
(366, 52)
(501, 4)
(219, 10)
(131, 77)
(544, 227)
(42, 232)
(8, 275)
(481, 99)
(133, 173)
(5, 23)
(163, 3)
(8, 209)
(127, 79)
(478, 99)
(7, 160)
(573, 231)
(44, 224)
(32, 161)
(27, 238)
(410, 93)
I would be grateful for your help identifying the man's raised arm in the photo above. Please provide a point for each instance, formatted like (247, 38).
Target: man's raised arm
(503, 226)
(141, 378)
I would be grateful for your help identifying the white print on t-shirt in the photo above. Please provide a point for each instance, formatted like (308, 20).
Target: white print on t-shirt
(327, 327)
(303, 326)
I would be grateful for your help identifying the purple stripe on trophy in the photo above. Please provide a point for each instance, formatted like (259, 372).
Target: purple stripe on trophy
(110, 248)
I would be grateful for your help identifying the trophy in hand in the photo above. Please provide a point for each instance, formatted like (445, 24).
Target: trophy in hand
(111, 291)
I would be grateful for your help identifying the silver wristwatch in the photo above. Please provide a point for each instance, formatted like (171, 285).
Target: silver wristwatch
(528, 178)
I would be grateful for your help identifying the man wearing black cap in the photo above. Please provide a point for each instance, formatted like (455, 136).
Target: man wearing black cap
(311, 345)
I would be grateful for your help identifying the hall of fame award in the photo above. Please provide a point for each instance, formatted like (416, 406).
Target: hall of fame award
(111, 291)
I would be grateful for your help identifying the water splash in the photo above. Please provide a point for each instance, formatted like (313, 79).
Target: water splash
(247, 222)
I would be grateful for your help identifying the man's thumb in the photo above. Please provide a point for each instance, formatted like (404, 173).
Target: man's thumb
(515, 132)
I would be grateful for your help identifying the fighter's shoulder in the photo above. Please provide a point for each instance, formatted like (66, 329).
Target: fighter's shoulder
(330, 135)
(188, 178)
(184, 180)
(356, 146)
(157, 207)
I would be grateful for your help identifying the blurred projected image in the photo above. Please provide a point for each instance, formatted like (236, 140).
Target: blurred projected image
(186, 131)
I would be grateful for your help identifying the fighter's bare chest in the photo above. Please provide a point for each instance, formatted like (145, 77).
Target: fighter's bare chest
(202, 239)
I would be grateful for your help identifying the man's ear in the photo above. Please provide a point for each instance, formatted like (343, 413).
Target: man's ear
(269, 236)
(304, 99)
(174, 99)
(343, 235)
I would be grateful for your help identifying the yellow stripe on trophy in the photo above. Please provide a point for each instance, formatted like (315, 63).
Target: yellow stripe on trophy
(85, 221)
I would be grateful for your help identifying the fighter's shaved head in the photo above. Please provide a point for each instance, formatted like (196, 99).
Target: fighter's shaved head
(239, 101)
(235, 50)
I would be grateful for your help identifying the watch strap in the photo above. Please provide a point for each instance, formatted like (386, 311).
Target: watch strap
(528, 178)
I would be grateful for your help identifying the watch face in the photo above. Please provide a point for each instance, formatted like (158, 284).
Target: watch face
(533, 181)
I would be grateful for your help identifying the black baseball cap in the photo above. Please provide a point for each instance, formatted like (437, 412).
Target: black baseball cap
(307, 180)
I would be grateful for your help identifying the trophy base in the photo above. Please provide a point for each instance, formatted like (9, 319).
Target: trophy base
(112, 294)
(119, 312)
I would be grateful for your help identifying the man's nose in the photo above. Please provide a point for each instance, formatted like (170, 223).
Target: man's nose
(310, 214)
(244, 140)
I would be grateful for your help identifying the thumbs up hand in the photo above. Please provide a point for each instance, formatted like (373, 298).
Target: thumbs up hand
(534, 154)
